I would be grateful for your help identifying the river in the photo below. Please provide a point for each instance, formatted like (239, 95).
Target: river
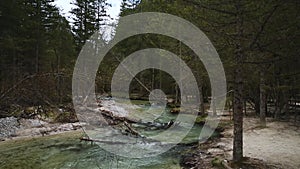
(65, 151)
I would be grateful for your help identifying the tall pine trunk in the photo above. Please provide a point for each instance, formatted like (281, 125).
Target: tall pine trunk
(238, 91)
(238, 116)
(262, 100)
(201, 98)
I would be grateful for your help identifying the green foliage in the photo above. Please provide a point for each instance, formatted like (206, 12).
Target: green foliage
(216, 162)
(88, 16)
(35, 41)
(269, 40)
(201, 119)
(65, 117)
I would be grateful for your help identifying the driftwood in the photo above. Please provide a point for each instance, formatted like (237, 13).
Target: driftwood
(131, 130)
(110, 115)
(157, 126)
(128, 121)
(88, 139)
(114, 120)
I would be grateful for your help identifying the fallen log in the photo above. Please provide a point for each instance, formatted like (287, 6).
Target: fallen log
(131, 130)
(114, 120)
(144, 140)
(88, 139)
(158, 126)
(125, 123)
(110, 115)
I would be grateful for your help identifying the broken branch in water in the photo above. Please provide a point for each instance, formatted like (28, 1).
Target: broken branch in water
(116, 121)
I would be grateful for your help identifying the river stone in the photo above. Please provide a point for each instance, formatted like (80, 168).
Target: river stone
(31, 123)
(221, 145)
(215, 151)
(8, 127)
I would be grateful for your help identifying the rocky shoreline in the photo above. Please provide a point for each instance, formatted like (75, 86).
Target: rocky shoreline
(12, 128)
(8, 127)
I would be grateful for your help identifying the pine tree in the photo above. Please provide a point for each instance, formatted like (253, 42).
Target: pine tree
(89, 16)
(34, 38)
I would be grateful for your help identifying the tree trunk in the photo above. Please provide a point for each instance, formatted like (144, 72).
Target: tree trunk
(141, 92)
(37, 47)
(238, 118)
(214, 108)
(176, 94)
(262, 106)
(58, 84)
(201, 98)
(153, 79)
(257, 105)
(245, 106)
(238, 91)
(201, 94)
(37, 59)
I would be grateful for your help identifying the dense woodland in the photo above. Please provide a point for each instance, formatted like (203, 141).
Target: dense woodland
(258, 42)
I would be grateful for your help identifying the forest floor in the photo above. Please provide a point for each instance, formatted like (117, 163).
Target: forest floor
(275, 147)
(278, 143)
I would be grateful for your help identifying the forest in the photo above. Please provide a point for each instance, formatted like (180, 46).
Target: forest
(258, 45)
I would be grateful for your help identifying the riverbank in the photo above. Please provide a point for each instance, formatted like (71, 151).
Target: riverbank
(275, 147)
(279, 142)
(13, 128)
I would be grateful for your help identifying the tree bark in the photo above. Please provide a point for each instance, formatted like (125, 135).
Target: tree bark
(245, 106)
(262, 109)
(201, 94)
(201, 98)
(238, 91)
(238, 118)
(214, 108)
(58, 83)
(176, 93)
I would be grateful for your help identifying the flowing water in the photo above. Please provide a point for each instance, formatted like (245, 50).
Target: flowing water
(65, 151)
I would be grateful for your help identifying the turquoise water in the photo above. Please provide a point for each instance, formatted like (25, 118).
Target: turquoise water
(65, 151)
